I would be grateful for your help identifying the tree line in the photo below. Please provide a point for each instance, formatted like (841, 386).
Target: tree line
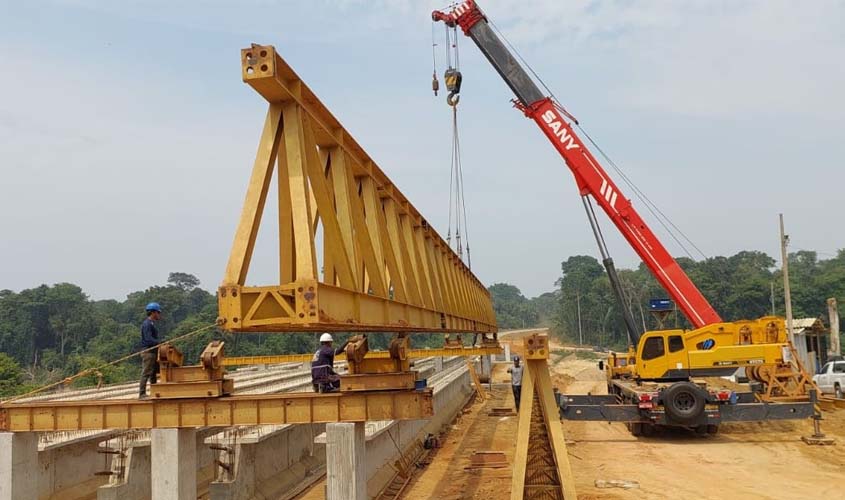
(50, 332)
(746, 285)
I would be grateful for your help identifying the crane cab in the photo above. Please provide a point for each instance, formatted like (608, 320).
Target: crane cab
(711, 351)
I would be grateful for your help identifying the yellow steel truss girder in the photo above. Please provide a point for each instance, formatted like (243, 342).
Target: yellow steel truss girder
(290, 408)
(541, 467)
(413, 353)
(381, 266)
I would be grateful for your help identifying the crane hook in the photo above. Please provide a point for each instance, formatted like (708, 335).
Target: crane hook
(453, 98)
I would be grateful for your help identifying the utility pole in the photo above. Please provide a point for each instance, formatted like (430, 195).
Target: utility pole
(787, 298)
(578, 305)
(833, 314)
(773, 297)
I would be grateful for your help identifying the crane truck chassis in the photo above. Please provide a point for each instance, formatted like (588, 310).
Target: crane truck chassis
(646, 407)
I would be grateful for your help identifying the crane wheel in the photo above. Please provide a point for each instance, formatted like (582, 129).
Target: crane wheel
(683, 402)
(636, 428)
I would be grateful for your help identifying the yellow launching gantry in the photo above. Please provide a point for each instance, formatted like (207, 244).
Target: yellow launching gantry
(379, 268)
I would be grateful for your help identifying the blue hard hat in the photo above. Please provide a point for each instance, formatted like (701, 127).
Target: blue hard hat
(153, 306)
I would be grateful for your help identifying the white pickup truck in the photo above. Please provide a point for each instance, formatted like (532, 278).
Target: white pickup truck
(832, 379)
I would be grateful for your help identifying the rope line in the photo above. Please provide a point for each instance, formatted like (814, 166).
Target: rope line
(96, 369)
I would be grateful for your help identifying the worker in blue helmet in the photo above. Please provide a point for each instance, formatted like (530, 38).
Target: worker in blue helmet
(149, 338)
(516, 381)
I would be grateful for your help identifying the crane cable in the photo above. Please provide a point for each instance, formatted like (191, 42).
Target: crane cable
(457, 198)
(456, 186)
(96, 369)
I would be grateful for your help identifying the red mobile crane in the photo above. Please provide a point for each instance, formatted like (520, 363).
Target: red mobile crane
(653, 383)
(590, 177)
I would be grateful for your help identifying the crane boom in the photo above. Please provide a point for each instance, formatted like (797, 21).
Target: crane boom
(590, 177)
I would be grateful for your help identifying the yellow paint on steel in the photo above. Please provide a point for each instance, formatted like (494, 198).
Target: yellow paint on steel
(541, 466)
(285, 408)
(383, 268)
(413, 353)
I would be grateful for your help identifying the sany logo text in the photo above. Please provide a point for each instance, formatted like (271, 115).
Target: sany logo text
(559, 130)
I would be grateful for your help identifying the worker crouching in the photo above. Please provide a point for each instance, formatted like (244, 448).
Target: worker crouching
(323, 376)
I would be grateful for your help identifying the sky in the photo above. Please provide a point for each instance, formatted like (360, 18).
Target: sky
(127, 136)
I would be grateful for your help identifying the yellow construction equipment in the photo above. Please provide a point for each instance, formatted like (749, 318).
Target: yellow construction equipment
(384, 268)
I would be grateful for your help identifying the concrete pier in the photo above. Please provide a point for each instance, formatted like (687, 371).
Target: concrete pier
(18, 466)
(346, 455)
(137, 484)
(174, 464)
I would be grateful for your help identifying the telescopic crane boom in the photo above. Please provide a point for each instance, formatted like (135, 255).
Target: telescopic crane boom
(590, 177)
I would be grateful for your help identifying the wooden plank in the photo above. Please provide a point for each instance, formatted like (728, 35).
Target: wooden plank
(482, 394)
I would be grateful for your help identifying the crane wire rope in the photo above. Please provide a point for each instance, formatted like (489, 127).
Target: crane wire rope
(96, 369)
(457, 197)
(658, 214)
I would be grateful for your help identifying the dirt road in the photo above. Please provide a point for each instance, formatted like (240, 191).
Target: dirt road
(755, 461)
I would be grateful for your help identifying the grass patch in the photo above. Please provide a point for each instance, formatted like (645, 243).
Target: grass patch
(589, 355)
(561, 353)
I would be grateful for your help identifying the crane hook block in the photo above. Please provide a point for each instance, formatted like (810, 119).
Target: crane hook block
(453, 79)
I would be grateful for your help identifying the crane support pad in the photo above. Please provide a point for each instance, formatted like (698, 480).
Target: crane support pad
(286, 408)
(353, 253)
(605, 408)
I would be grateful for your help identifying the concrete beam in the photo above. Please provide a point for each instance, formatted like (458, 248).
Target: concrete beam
(18, 466)
(174, 464)
(346, 454)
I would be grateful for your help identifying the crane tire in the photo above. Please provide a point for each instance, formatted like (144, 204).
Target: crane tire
(683, 402)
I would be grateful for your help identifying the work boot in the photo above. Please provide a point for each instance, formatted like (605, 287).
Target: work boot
(142, 397)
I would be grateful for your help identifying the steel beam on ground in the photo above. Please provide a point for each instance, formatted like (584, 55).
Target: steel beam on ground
(285, 408)
(413, 353)
(383, 267)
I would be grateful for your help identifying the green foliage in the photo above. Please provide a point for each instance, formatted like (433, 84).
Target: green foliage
(51, 332)
(11, 375)
(738, 287)
(512, 309)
